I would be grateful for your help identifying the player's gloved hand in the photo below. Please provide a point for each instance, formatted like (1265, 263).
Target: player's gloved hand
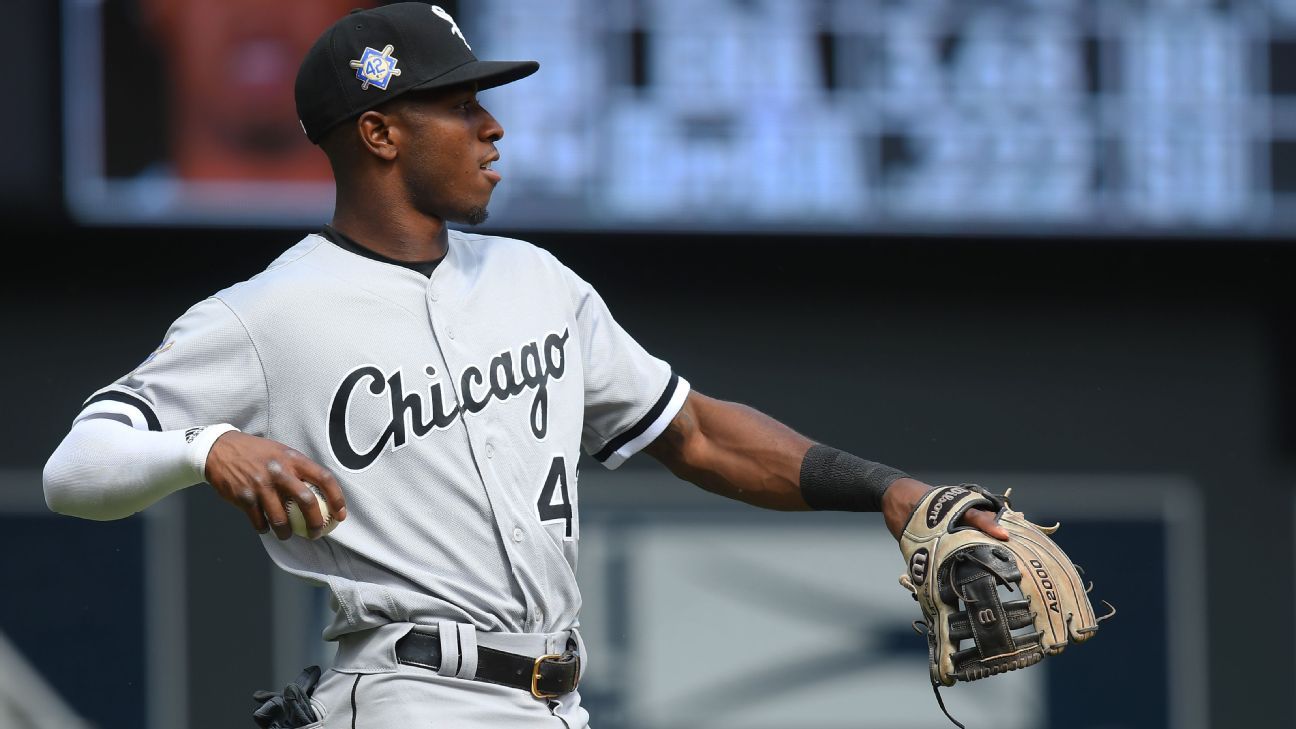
(290, 709)
(900, 499)
(258, 476)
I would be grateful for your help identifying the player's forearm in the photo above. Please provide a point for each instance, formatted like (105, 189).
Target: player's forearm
(106, 470)
(735, 451)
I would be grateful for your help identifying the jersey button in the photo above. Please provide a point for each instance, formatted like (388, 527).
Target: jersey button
(490, 450)
(450, 332)
(517, 534)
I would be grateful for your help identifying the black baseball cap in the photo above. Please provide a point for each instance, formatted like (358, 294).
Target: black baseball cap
(373, 56)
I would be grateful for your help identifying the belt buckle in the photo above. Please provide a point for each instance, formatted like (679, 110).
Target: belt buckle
(535, 676)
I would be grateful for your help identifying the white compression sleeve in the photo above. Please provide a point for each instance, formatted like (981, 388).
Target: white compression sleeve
(106, 470)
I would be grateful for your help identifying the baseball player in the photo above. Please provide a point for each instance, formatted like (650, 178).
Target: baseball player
(436, 387)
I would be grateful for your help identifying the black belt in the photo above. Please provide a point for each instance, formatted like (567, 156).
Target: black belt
(545, 677)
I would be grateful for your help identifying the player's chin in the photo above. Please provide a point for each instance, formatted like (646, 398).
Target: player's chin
(475, 212)
(471, 215)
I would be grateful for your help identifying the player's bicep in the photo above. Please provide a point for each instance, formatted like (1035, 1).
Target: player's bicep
(707, 432)
(678, 444)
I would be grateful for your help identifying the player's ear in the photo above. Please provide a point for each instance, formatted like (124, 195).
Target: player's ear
(377, 135)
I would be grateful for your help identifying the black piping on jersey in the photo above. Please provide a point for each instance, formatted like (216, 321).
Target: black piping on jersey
(136, 401)
(341, 240)
(354, 687)
(644, 423)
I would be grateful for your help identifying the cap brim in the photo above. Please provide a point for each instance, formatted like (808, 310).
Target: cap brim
(487, 74)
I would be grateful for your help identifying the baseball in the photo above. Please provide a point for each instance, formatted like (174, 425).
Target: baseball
(298, 520)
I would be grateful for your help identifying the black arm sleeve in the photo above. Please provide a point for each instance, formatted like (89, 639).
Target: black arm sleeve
(833, 480)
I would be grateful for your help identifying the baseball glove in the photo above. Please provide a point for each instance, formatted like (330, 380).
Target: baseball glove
(292, 707)
(1012, 602)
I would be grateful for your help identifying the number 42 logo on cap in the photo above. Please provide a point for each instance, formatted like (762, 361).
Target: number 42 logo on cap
(376, 67)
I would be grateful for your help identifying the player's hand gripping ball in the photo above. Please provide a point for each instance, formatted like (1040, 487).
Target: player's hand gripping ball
(1014, 601)
(297, 520)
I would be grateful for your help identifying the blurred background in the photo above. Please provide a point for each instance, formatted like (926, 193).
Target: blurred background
(1041, 244)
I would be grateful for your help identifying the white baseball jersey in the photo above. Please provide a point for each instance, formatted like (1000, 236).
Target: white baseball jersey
(449, 407)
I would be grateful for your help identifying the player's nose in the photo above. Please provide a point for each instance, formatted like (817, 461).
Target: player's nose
(490, 131)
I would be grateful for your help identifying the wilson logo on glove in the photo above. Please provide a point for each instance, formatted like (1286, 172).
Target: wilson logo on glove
(941, 504)
(918, 566)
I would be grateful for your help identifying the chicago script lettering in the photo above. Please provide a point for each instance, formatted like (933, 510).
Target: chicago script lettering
(501, 381)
